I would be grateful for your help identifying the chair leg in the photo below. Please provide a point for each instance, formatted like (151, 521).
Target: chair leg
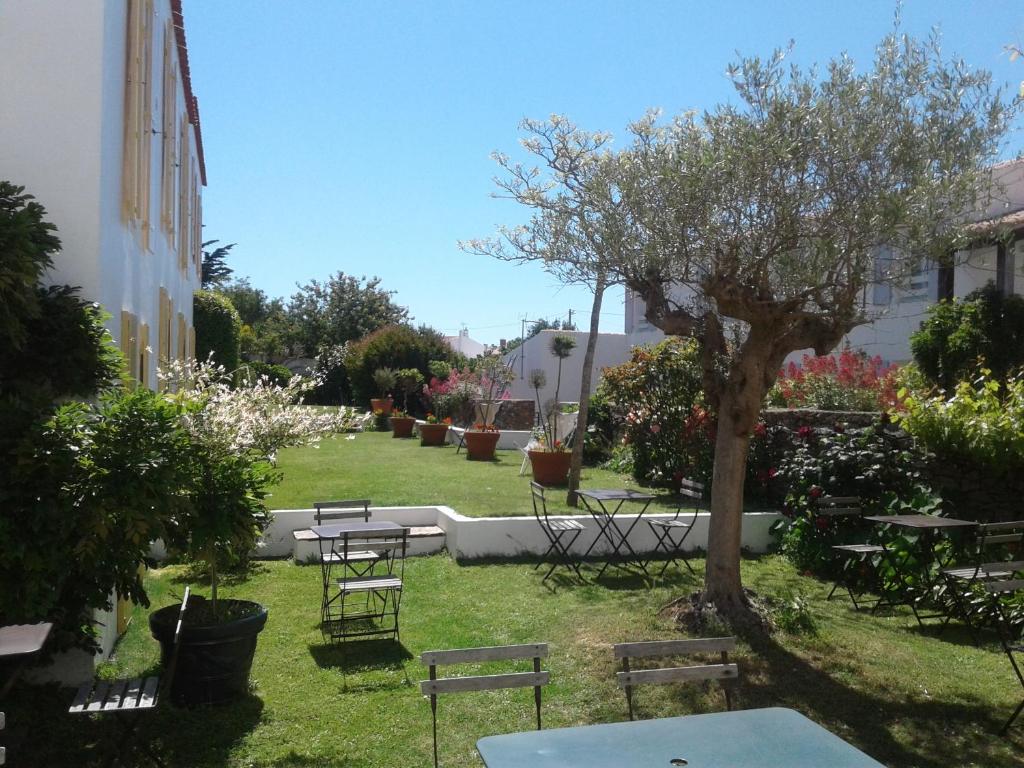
(1016, 712)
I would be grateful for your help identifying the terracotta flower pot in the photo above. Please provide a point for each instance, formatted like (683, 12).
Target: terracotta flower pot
(401, 426)
(480, 445)
(381, 404)
(433, 434)
(550, 467)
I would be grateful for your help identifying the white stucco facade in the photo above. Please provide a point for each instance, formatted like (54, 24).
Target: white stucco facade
(535, 354)
(98, 122)
(898, 311)
(64, 133)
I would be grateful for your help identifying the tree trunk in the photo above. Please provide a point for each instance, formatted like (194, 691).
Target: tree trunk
(722, 584)
(576, 463)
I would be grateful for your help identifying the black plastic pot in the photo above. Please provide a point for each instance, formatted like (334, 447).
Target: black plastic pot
(214, 661)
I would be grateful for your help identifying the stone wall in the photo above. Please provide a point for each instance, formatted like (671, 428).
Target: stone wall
(516, 414)
(804, 417)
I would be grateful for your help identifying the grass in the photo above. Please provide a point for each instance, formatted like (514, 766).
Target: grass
(906, 696)
(397, 472)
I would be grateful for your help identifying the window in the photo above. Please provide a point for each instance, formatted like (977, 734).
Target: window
(129, 347)
(168, 134)
(138, 117)
(182, 338)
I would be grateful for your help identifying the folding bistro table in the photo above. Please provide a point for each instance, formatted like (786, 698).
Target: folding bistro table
(927, 527)
(752, 738)
(596, 500)
(18, 644)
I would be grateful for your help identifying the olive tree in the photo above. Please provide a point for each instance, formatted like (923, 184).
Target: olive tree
(754, 227)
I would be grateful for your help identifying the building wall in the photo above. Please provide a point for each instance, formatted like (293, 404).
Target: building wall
(62, 137)
(535, 353)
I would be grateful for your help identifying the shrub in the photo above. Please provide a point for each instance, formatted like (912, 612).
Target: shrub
(656, 397)
(878, 464)
(276, 374)
(27, 246)
(985, 325)
(218, 329)
(851, 381)
(394, 346)
(450, 395)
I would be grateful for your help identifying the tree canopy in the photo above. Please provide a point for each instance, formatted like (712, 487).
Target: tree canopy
(754, 227)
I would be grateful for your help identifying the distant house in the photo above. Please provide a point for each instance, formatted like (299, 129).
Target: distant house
(99, 122)
(101, 125)
(898, 311)
(465, 345)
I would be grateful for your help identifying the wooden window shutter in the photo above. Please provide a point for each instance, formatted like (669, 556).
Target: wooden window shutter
(144, 353)
(133, 67)
(182, 338)
(168, 134)
(191, 343)
(184, 195)
(146, 132)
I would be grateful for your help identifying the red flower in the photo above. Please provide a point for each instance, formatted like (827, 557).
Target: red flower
(816, 492)
(773, 472)
(821, 522)
(804, 432)
(761, 429)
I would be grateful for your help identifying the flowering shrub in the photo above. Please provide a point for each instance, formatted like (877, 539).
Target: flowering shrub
(851, 381)
(875, 463)
(657, 401)
(234, 434)
(451, 395)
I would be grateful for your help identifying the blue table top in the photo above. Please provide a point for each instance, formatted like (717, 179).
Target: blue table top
(740, 739)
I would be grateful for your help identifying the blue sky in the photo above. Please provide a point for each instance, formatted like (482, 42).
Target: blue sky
(357, 136)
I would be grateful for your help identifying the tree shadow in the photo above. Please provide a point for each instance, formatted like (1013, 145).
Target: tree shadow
(361, 656)
(775, 676)
(193, 573)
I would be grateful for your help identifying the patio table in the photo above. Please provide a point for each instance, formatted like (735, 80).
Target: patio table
(596, 501)
(927, 527)
(752, 738)
(18, 644)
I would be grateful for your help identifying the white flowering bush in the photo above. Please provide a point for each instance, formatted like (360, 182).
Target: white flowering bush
(234, 434)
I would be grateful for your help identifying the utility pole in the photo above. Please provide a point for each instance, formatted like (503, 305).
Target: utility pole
(570, 317)
(522, 355)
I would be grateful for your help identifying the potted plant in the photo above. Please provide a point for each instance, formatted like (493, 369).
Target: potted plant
(408, 380)
(385, 380)
(434, 431)
(495, 379)
(551, 460)
(233, 436)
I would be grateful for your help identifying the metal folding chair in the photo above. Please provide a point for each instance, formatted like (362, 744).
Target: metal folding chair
(629, 678)
(856, 556)
(963, 582)
(360, 563)
(131, 698)
(1011, 647)
(561, 535)
(435, 686)
(671, 534)
(359, 606)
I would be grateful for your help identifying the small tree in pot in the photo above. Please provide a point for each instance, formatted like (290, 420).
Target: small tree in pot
(495, 379)
(384, 379)
(550, 461)
(234, 435)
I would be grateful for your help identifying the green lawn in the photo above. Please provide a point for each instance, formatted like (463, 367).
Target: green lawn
(398, 472)
(905, 696)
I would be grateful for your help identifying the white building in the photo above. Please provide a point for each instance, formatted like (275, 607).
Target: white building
(535, 354)
(98, 121)
(465, 345)
(899, 311)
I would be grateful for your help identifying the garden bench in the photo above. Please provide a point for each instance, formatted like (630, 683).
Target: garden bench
(628, 678)
(671, 534)
(130, 697)
(435, 686)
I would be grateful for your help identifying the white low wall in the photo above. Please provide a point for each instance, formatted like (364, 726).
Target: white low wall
(508, 439)
(471, 538)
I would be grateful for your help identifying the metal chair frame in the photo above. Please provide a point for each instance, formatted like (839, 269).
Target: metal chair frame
(629, 678)
(131, 698)
(434, 686)
(850, 507)
(995, 590)
(962, 582)
(664, 530)
(374, 598)
(555, 531)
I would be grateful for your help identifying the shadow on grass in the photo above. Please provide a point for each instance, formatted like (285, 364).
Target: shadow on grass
(193, 573)
(361, 655)
(775, 676)
(181, 737)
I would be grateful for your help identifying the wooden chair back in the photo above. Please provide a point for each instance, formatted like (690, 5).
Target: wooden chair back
(1007, 536)
(435, 686)
(346, 509)
(839, 506)
(540, 503)
(628, 678)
